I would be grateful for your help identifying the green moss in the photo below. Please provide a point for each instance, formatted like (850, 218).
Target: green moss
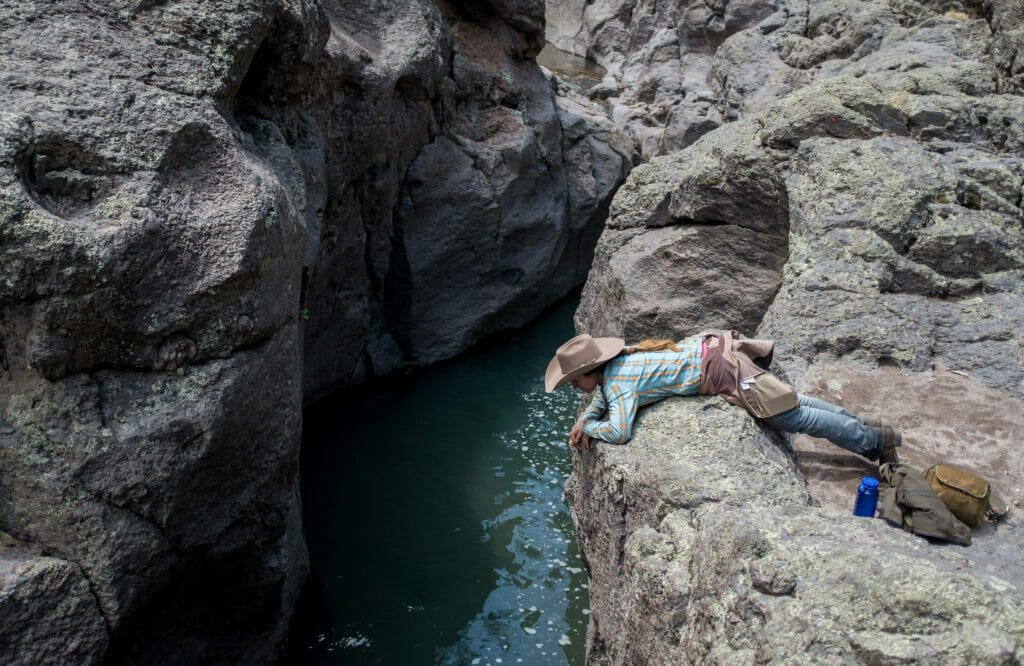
(902, 355)
(118, 205)
(17, 406)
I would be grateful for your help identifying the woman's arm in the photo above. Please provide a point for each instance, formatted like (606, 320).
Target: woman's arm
(618, 427)
(596, 407)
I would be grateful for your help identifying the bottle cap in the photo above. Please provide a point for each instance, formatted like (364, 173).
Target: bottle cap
(869, 482)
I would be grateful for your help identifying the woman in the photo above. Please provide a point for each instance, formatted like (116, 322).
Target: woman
(716, 364)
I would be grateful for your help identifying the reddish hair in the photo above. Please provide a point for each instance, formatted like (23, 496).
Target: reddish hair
(651, 345)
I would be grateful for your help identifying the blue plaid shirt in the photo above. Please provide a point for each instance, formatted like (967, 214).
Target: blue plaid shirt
(634, 380)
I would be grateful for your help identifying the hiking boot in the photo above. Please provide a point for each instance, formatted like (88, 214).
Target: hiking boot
(891, 439)
(888, 455)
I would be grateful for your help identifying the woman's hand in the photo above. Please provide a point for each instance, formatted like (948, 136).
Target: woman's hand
(578, 439)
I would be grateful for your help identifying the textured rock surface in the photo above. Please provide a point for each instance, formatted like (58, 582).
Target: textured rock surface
(881, 203)
(678, 70)
(702, 547)
(213, 211)
(1007, 20)
(50, 616)
(150, 375)
(491, 226)
(673, 464)
(945, 418)
(895, 196)
(695, 240)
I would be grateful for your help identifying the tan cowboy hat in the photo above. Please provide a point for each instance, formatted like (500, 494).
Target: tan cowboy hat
(578, 357)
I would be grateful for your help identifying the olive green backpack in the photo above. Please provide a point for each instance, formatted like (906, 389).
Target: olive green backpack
(910, 503)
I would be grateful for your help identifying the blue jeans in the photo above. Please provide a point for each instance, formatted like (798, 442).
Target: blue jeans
(818, 418)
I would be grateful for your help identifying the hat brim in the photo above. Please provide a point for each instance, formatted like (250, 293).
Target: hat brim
(554, 377)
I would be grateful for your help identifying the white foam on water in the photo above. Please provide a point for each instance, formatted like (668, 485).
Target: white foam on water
(354, 642)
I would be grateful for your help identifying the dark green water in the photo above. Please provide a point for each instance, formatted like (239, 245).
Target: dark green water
(434, 516)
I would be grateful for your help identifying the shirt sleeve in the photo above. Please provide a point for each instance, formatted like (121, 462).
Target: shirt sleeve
(596, 408)
(618, 427)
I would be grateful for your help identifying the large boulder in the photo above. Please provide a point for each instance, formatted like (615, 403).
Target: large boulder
(487, 233)
(702, 547)
(213, 212)
(692, 240)
(150, 375)
(676, 462)
(886, 194)
(455, 190)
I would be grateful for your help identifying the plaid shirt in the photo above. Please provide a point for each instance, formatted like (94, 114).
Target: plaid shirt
(634, 380)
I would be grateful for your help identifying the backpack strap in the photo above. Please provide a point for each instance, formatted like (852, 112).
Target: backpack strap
(997, 506)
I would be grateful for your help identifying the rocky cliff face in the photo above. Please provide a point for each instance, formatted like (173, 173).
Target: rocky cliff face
(864, 210)
(677, 70)
(703, 547)
(461, 193)
(211, 211)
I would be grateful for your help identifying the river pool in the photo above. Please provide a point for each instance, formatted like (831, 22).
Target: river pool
(434, 515)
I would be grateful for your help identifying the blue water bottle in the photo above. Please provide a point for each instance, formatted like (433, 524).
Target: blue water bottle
(867, 497)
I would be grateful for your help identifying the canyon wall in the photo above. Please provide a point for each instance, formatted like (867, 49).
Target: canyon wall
(211, 212)
(861, 205)
(461, 192)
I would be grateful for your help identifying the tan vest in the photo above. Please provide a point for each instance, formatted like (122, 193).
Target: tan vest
(729, 370)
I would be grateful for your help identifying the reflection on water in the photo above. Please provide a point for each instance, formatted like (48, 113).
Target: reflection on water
(434, 516)
(579, 73)
(527, 614)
